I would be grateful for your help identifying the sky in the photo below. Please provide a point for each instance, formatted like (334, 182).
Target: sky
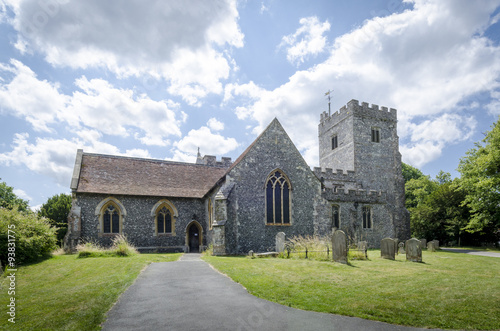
(160, 79)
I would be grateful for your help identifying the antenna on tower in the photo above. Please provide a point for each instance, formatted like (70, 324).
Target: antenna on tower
(328, 95)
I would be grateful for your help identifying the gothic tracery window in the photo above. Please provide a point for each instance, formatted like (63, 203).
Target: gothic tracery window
(164, 220)
(111, 219)
(278, 197)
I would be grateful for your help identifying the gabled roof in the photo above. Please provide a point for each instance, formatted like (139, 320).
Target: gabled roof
(108, 174)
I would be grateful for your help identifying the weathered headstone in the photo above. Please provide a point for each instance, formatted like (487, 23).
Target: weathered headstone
(423, 243)
(387, 249)
(363, 247)
(280, 242)
(396, 241)
(339, 247)
(250, 253)
(413, 250)
(401, 248)
(431, 246)
(436, 244)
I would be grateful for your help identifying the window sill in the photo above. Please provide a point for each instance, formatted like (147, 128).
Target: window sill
(278, 224)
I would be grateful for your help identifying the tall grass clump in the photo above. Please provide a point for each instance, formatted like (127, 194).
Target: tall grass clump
(120, 247)
(209, 251)
(318, 248)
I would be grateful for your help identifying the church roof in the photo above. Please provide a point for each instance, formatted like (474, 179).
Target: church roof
(108, 174)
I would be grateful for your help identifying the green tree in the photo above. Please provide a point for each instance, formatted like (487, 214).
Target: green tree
(410, 172)
(417, 190)
(9, 200)
(480, 180)
(56, 209)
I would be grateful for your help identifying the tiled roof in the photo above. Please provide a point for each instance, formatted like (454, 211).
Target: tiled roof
(147, 177)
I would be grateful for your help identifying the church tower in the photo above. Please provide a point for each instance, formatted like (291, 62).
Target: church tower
(364, 140)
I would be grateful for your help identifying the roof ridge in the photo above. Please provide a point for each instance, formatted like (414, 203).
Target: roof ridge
(146, 159)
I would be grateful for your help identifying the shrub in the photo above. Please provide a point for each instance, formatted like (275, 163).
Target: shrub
(34, 237)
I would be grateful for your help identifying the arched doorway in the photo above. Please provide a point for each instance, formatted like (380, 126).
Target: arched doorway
(194, 237)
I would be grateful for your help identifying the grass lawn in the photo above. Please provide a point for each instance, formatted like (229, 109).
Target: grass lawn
(70, 293)
(448, 290)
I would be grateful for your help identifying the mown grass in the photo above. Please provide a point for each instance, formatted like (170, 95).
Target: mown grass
(448, 290)
(70, 293)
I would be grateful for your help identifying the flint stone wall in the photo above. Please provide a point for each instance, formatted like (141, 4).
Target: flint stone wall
(139, 225)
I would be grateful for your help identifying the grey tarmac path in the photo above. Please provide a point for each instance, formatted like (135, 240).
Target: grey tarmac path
(190, 295)
(471, 252)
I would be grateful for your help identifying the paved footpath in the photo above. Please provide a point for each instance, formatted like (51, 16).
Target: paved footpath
(190, 295)
(471, 252)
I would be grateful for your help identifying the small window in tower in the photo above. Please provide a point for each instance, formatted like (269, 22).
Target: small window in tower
(375, 135)
(335, 142)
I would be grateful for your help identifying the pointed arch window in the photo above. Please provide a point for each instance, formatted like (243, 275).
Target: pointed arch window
(111, 219)
(335, 216)
(367, 217)
(164, 220)
(278, 198)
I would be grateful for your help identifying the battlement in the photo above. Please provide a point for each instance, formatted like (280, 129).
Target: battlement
(353, 107)
(359, 195)
(339, 174)
(210, 160)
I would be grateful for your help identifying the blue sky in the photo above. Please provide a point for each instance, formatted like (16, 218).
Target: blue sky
(159, 79)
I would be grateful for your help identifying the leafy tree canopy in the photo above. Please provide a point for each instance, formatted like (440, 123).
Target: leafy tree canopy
(56, 208)
(9, 200)
(480, 170)
(410, 172)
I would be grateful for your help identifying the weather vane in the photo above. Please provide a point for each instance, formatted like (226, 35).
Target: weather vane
(328, 95)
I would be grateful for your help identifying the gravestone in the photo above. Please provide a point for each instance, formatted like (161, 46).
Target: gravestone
(363, 247)
(396, 241)
(280, 242)
(387, 249)
(413, 250)
(423, 243)
(401, 248)
(431, 246)
(250, 253)
(436, 244)
(339, 247)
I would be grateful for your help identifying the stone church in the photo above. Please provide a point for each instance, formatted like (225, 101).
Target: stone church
(240, 206)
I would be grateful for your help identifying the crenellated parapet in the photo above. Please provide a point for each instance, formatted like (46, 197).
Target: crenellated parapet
(355, 195)
(210, 160)
(337, 175)
(353, 107)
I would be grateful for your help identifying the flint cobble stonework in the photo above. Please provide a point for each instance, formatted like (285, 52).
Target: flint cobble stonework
(355, 175)
(138, 224)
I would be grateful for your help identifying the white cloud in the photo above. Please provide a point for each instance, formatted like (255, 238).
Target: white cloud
(39, 102)
(21, 194)
(170, 39)
(215, 125)
(429, 137)
(307, 40)
(55, 158)
(426, 62)
(209, 143)
(96, 108)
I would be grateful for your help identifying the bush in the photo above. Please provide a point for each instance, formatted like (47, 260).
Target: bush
(34, 237)
(121, 247)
